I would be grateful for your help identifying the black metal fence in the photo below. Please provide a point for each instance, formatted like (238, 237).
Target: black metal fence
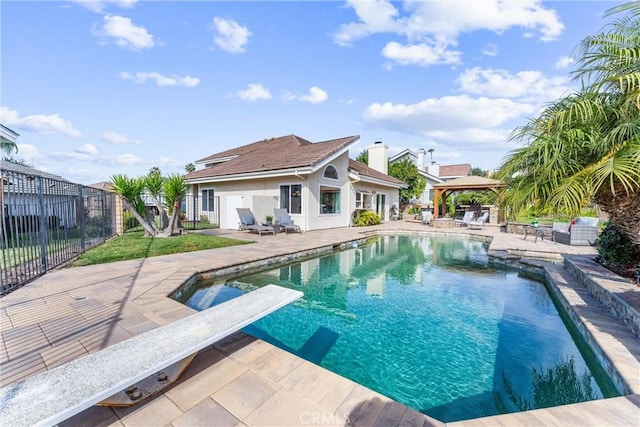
(47, 221)
(198, 211)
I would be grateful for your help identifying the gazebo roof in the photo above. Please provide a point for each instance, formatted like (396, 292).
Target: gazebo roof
(470, 183)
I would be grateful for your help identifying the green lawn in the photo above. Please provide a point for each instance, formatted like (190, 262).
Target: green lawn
(134, 246)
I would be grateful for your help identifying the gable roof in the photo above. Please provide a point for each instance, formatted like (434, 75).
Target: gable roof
(274, 154)
(470, 182)
(374, 175)
(406, 152)
(453, 170)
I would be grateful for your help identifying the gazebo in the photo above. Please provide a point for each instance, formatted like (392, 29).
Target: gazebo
(475, 183)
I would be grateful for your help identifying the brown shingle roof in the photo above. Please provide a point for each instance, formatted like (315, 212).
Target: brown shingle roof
(454, 170)
(285, 152)
(365, 170)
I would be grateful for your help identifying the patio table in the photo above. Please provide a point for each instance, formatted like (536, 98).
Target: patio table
(537, 232)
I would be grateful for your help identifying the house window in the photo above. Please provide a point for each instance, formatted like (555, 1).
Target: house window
(329, 200)
(363, 200)
(208, 201)
(331, 172)
(291, 198)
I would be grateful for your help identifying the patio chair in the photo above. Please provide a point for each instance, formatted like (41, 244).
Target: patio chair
(283, 219)
(479, 224)
(581, 231)
(248, 222)
(466, 219)
(427, 216)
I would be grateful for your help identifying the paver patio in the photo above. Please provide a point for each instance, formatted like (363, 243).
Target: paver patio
(240, 381)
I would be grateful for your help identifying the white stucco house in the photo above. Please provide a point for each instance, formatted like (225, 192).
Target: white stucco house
(318, 184)
(433, 172)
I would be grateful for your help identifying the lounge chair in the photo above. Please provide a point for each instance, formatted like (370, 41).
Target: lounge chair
(466, 219)
(479, 224)
(427, 216)
(248, 222)
(283, 219)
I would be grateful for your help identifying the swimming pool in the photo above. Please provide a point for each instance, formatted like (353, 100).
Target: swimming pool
(429, 322)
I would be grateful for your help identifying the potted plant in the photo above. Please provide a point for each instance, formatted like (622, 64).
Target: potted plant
(269, 219)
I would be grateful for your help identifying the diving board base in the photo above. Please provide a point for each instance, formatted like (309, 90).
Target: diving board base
(149, 386)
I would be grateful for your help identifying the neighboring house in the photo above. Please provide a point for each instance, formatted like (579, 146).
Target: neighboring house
(318, 184)
(449, 172)
(21, 187)
(7, 136)
(418, 158)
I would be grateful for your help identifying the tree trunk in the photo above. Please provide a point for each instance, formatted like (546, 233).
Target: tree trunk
(164, 218)
(623, 210)
(149, 231)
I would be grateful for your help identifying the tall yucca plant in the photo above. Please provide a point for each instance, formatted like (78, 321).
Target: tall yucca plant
(586, 147)
(130, 190)
(174, 191)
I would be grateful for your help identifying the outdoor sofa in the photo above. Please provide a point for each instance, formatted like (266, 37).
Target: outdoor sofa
(580, 232)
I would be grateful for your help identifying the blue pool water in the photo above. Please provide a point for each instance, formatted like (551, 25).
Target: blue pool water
(429, 322)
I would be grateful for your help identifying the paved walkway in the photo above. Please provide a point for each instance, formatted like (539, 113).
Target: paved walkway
(69, 313)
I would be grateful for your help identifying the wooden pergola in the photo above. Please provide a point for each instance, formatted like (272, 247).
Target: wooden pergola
(475, 183)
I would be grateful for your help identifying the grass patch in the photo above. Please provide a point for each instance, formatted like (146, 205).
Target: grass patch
(135, 245)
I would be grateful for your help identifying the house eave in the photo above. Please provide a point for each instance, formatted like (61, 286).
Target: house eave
(370, 180)
(252, 175)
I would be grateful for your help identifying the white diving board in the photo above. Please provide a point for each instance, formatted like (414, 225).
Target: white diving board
(56, 395)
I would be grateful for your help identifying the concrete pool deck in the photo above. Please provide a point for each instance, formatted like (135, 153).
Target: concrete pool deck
(243, 381)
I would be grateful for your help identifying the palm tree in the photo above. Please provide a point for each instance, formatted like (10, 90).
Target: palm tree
(8, 146)
(586, 147)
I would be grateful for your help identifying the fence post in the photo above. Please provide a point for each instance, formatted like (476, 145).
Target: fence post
(83, 242)
(43, 227)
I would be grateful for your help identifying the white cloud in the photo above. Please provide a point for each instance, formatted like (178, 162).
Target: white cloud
(88, 149)
(437, 24)
(254, 92)
(40, 123)
(458, 120)
(315, 96)
(490, 49)
(117, 138)
(28, 152)
(421, 54)
(100, 6)
(125, 159)
(531, 86)
(565, 62)
(230, 36)
(125, 33)
(160, 80)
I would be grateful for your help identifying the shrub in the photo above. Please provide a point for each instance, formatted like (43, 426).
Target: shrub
(204, 219)
(616, 249)
(363, 218)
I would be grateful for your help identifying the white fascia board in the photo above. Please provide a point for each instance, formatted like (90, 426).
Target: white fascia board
(381, 182)
(403, 153)
(252, 175)
(214, 161)
(330, 158)
(7, 134)
(431, 177)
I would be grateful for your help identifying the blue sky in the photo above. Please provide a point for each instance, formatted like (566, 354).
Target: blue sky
(98, 88)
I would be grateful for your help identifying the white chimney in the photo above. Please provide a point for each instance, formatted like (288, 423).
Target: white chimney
(420, 162)
(378, 158)
(434, 169)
